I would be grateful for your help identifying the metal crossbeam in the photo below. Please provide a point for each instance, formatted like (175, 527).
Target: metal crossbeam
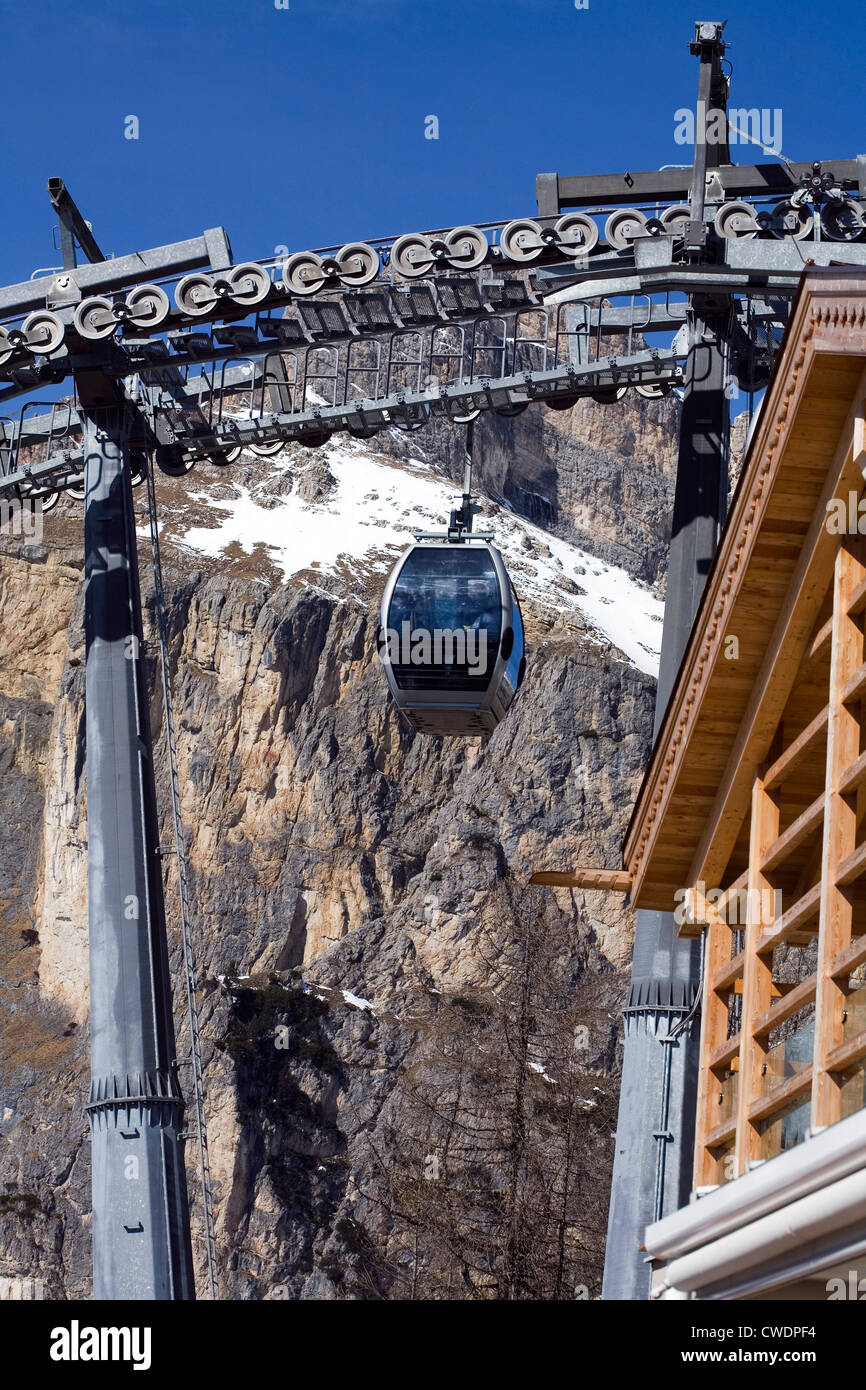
(556, 193)
(72, 226)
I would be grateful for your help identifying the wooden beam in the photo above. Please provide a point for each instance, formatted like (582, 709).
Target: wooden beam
(840, 827)
(852, 866)
(798, 914)
(820, 643)
(604, 880)
(797, 833)
(788, 643)
(855, 686)
(765, 1106)
(724, 903)
(719, 1134)
(714, 1027)
(860, 438)
(847, 1054)
(725, 1052)
(757, 975)
(857, 601)
(850, 958)
(731, 971)
(854, 776)
(786, 1006)
(796, 752)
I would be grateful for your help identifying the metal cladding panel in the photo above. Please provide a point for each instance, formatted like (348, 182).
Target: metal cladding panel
(141, 1242)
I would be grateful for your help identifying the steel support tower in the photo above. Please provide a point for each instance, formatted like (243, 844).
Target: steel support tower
(141, 1240)
(655, 1128)
(141, 1236)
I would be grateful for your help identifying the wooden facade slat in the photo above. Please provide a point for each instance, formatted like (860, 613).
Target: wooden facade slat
(854, 776)
(757, 974)
(840, 825)
(857, 600)
(852, 867)
(855, 686)
(798, 914)
(730, 972)
(798, 831)
(795, 753)
(724, 1052)
(764, 1106)
(848, 1053)
(785, 1007)
(819, 645)
(721, 1133)
(850, 958)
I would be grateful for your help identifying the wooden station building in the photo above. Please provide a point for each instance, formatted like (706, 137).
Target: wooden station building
(751, 827)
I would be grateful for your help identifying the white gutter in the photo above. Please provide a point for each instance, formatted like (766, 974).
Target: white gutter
(839, 1206)
(817, 1163)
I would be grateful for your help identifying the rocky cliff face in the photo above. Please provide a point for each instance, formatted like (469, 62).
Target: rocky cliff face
(393, 1021)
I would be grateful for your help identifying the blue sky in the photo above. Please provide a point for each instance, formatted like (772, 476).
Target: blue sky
(305, 126)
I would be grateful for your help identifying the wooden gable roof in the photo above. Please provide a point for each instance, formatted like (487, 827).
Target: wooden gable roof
(767, 584)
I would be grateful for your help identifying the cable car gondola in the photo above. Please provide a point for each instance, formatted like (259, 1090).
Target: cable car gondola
(451, 635)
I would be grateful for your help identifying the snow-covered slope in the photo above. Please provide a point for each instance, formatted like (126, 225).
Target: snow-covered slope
(369, 515)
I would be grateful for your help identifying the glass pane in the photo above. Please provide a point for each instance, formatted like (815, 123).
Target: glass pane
(445, 619)
(789, 1057)
(853, 1091)
(512, 666)
(786, 1129)
(727, 1093)
(725, 1158)
(855, 1013)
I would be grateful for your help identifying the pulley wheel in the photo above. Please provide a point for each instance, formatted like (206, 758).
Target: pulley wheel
(463, 417)
(313, 441)
(675, 219)
(607, 395)
(220, 457)
(412, 255)
(576, 233)
(195, 295)
(147, 306)
(95, 318)
(43, 332)
(170, 460)
(358, 263)
(842, 221)
(752, 371)
(250, 284)
(275, 446)
(76, 490)
(736, 222)
(409, 423)
(562, 402)
(521, 240)
(467, 248)
(509, 411)
(46, 497)
(137, 469)
(304, 273)
(6, 348)
(796, 220)
(623, 226)
(652, 390)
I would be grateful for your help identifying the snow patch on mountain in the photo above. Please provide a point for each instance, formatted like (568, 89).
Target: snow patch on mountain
(371, 515)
